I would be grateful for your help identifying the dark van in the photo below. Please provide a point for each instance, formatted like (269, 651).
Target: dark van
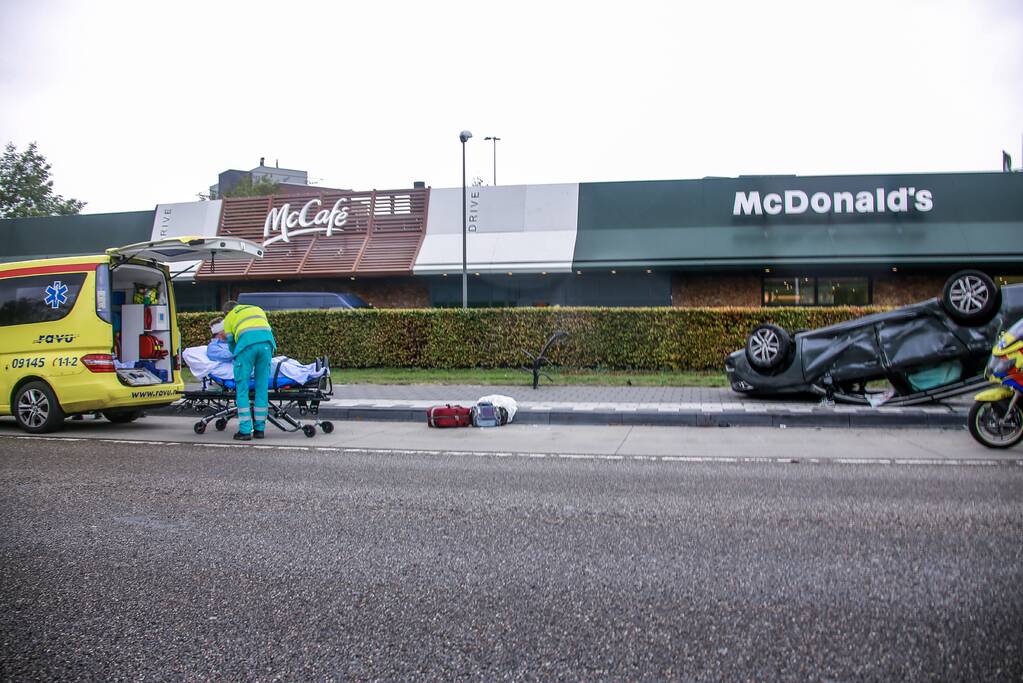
(288, 301)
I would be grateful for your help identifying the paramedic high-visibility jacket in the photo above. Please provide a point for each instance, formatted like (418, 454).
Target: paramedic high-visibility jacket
(246, 325)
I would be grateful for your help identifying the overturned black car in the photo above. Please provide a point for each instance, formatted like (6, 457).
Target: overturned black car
(925, 352)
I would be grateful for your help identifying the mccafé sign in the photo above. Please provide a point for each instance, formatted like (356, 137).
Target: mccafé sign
(309, 219)
(795, 202)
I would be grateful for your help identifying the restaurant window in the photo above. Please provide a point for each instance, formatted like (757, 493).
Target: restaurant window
(816, 291)
(789, 291)
(843, 291)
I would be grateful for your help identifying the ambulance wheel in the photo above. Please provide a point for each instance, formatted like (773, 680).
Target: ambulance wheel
(199, 427)
(309, 430)
(220, 424)
(36, 409)
(327, 427)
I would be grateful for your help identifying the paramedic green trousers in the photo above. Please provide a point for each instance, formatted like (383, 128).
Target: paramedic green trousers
(255, 357)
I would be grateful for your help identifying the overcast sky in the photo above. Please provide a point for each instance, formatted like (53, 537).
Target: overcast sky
(138, 103)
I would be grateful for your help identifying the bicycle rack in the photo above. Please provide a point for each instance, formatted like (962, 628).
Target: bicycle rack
(540, 360)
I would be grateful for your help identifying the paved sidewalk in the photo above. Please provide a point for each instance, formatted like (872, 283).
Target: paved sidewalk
(677, 406)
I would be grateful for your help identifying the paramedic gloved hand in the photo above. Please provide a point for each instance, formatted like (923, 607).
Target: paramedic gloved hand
(252, 342)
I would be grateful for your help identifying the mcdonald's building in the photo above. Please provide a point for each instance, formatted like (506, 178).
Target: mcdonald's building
(745, 241)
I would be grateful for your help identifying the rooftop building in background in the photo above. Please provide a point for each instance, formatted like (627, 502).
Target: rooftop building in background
(289, 180)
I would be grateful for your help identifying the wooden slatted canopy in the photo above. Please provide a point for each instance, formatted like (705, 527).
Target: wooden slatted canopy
(381, 236)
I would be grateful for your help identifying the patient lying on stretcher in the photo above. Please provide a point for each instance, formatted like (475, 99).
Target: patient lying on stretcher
(216, 362)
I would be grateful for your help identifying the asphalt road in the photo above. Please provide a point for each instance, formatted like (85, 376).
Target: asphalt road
(165, 562)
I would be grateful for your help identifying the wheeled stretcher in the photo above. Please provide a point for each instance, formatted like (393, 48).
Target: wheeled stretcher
(217, 401)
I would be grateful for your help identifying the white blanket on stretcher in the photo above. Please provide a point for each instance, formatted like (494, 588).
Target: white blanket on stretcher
(201, 366)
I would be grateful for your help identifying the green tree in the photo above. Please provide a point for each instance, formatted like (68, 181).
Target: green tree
(247, 188)
(26, 188)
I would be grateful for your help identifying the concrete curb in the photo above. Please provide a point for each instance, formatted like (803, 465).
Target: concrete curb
(817, 417)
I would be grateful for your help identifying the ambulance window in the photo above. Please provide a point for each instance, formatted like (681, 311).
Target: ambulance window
(38, 298)
(103, 294)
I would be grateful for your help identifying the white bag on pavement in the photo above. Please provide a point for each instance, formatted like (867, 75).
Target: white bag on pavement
(506, 402)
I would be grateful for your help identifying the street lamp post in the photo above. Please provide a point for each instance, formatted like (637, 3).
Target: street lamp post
(495, 139)
(464, 137)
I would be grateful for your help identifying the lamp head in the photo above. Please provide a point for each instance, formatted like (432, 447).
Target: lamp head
(464, 135)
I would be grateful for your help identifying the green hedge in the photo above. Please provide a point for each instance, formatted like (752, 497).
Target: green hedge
(610, 338)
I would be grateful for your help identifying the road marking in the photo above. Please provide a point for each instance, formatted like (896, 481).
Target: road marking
(695, 459)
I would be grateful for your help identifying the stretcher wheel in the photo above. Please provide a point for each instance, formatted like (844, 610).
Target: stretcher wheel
(220, 424)
(309, 430)
(199, 427)
(327, 427)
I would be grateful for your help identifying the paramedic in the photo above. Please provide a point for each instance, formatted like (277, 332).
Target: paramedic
(251, 340)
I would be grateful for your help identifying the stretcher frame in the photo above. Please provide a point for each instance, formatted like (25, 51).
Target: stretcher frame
(220, 404)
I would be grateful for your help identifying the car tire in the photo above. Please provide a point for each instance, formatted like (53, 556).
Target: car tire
(767, 347)
(122, 416)
(36, 409)
(970, 297)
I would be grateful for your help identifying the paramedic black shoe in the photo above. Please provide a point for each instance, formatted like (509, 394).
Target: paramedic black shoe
(257, 434)
(242, 436)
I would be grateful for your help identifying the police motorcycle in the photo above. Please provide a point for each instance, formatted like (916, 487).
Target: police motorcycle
(996, 418)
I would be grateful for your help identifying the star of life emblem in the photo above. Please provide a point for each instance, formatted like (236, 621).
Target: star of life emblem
(56, 294)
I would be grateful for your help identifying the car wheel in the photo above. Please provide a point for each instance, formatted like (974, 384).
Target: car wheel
(122, 416)
(36, 409)
(767, 347)
(991, 426)
(970, 297)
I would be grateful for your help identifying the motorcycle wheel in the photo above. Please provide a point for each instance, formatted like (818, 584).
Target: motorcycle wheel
(990, 426)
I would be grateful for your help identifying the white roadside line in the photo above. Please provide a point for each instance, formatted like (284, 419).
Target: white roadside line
(757, 460)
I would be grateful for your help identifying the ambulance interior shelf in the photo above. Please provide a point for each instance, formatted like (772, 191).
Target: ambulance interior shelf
(141, 322)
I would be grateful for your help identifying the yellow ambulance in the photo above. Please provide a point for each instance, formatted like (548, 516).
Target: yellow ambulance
(96, 334)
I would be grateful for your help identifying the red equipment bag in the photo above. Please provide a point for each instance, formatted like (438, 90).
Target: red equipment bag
(151, 347)
(449, 416)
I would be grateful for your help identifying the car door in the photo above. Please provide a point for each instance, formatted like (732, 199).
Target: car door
(919, 336)
(177, 249)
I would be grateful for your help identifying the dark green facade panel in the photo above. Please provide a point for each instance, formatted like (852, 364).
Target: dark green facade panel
(51, 236)
(938, 218)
